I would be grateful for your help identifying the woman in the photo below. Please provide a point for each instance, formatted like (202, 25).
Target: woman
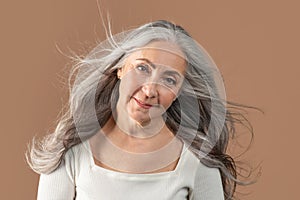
(147, 119)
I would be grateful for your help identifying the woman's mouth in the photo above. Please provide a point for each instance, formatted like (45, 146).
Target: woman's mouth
(141, 104)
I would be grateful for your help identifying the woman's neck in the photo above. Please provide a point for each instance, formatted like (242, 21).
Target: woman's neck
(137, 138)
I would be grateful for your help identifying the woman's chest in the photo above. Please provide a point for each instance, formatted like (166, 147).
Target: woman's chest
(167, 168)
(106, 187)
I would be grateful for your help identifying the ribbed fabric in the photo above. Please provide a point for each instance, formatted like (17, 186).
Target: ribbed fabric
(79, 178)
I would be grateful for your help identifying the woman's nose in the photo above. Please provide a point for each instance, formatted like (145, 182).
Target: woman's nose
(150, 90)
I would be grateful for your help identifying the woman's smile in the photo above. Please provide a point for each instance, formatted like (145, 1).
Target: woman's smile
(142, 104)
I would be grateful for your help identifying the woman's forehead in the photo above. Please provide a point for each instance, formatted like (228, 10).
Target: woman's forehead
(161, 53)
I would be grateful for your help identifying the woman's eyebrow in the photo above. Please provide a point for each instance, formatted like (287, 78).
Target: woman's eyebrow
(148, 61)
(169, 72)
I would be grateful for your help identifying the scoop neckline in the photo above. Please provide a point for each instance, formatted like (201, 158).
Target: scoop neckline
(135, 175)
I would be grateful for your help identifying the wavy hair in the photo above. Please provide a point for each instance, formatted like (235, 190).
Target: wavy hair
(200, 115)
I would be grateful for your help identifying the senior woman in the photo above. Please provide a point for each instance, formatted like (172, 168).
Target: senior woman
(146, 119)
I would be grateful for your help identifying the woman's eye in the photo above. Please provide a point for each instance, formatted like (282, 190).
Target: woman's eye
(170, 81)
(143, 68)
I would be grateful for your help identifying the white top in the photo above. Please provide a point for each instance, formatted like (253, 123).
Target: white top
(79, 176)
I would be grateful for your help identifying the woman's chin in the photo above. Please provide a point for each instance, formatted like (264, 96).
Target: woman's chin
(142, 121)
(145, 120)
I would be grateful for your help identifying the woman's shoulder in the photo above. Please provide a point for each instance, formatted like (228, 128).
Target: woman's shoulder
(201, 169)
(76, 154)
(78, 151)
(76, 158)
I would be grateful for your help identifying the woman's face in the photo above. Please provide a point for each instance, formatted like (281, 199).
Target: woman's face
(150, 80)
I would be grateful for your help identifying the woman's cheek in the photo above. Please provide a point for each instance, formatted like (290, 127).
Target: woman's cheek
(166, 98)
(131, 86)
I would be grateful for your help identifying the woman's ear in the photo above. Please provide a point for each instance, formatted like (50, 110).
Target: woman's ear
(119, 73)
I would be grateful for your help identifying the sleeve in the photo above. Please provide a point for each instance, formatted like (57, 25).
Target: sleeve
(59, 184)
(208, 184)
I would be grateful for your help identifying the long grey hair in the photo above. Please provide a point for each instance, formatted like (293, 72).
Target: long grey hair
(200, 116)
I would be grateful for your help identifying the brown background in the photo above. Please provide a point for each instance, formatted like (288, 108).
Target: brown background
(254, 43)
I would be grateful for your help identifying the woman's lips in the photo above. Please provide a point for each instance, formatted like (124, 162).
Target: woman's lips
(141, 104)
